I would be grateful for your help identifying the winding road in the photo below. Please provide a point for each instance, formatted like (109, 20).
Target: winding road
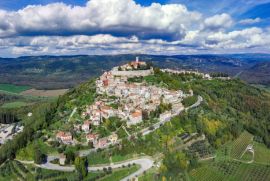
(144, 162)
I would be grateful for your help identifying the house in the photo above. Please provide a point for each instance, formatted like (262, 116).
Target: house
(113, 138)
(86, 126)
(105, 82)
(62, 159)
(135, 118)
(101, 143)
(108, 110)
(166, 116)
(65, 137)
(91, 137)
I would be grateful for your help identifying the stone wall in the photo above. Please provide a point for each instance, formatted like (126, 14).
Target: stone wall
(133, 73)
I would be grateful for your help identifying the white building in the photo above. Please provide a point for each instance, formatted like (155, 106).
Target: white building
(135, 118)
(86, 126)
(166, 116)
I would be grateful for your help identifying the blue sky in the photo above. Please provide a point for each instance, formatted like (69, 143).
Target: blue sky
(133, 26)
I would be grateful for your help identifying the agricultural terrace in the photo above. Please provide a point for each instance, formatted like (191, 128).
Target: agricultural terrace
(240, 144)
(230, 170)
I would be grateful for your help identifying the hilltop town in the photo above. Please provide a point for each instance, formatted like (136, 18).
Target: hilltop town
(129, 102)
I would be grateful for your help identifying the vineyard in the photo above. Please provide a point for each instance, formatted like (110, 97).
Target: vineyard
(231, 170)
(240, 144)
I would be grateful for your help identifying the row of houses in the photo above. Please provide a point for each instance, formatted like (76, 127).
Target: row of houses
(136, 97)
(67, 138)
(133, 100)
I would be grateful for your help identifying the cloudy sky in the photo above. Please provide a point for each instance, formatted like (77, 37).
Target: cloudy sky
(55, 27)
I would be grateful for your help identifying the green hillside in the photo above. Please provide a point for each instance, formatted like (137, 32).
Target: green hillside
(232, 116)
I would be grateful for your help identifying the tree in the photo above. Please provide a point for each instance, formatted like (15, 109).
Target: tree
(70, 155)
(81, 166)
(39, 157)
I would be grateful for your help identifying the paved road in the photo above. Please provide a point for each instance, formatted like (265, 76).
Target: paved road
(196, 104)
(145, 164)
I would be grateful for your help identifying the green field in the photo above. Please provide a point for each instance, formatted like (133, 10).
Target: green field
(230, 170)
(240, 144)
(13, 88)
(16, 104)
(149, 175)
(248, 156)
(121, 173)
(27, 153)
(262, 153)
(224, 167)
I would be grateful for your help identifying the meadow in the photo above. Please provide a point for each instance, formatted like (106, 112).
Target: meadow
(13, 88)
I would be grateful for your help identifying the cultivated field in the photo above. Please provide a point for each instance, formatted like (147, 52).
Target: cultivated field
(231, 170)
(240, 145)
(262, 153)
(13, 88)
(44, 93)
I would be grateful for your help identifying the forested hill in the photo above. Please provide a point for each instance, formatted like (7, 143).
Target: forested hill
(236, 106)
(54, 72)
(230, 106)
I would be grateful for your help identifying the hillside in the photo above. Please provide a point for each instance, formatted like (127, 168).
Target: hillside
(257, 74)
(232, 116)
(58, 72)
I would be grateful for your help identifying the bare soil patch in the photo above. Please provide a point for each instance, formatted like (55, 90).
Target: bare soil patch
(44, 93)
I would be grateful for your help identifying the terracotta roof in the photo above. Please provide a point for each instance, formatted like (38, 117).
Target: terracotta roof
(137, 113)
(91, 136)
(87, 122)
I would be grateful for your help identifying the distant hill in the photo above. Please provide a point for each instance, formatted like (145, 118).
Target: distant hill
(258, 74)
(55, 72)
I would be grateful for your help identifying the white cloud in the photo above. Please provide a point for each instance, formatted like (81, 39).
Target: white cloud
(218, 22)
(242, 39)
(122, 26)
(250, 21)
(107, 16)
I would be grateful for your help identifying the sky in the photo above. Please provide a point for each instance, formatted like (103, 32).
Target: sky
(168, 27)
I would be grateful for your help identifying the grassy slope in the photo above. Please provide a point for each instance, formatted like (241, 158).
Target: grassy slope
(121, 173)
(16, 104)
